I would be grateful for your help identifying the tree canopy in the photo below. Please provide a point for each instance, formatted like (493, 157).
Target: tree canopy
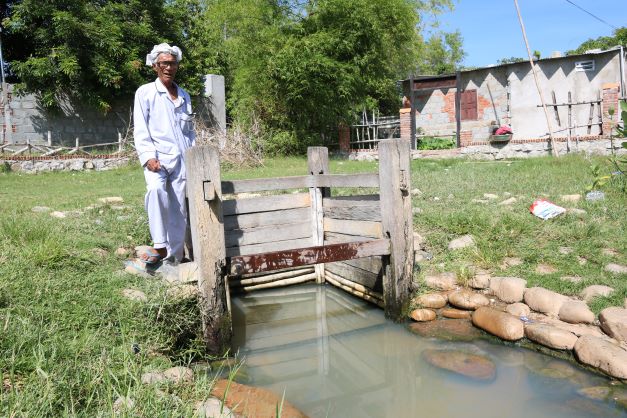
(619, 37)
(297, 67)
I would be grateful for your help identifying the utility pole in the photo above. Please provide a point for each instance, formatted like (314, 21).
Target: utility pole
(535, 76)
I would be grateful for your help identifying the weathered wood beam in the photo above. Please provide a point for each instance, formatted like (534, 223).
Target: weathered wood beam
(207, 229)
(396, 218)
(300, 182)
(307, 256)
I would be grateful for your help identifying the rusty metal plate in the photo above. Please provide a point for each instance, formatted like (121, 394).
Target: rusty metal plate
(276, 260)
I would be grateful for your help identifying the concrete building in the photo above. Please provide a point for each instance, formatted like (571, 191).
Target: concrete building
(578, 91)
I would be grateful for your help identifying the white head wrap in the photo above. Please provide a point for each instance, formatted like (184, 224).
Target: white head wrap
(163, 49)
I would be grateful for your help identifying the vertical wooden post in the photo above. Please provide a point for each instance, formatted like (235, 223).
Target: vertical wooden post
(318, 163)
(49, 138)
(458, 108)
(412, 117)
(396, 219)
(119, 142)
(204, 192)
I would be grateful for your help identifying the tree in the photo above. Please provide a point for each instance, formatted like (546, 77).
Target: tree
(303, 67)
(442, 53)
(90, 50)
(619, 37)
(510, 60)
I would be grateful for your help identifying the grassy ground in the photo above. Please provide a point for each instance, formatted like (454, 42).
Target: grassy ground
(66, 332)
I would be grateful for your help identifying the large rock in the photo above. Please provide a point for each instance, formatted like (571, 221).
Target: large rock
(603, 355)
(422, 315)
(614, 322)
(577, 329)
(594, 291)
(576, 312)
(518, 309)
(179, 375)
(481, 280)
(446, 329)
(616, 268)
(430, 300)
(470, 365)
(442, 281)
(550, 336)
(544, 300)
(455, 313)
(466, 299)
(498, 323)
(461, 242)
(251, 401)
(508, 289)
(213, 408)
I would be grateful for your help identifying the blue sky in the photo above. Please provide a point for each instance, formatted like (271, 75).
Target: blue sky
(491, 30)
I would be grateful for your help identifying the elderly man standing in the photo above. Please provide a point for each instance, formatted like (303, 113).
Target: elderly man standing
(163, 131)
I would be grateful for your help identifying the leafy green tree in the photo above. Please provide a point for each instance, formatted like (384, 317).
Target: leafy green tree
(619, 37)
(510, 60)
(91, 50)
(301, 68)
(443, 53)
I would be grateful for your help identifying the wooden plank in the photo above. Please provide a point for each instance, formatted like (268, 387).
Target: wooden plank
(206, 221)
(363, 277)
(396, 214)
(318, 164)
(363, 228)
(265, 184)
(347, 180)
(350, 201)
(371, 264)
(268, 247)
(275, 217)
(300, 182)
(272, 233)
(266, 203)
(307, 256)
(370, 212)
(337, 238)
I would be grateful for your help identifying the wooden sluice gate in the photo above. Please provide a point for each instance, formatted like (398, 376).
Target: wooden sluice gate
(360, 243)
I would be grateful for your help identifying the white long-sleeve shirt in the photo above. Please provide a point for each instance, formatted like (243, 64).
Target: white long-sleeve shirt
(162, 126)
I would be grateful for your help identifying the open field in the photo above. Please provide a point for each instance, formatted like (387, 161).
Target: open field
(66, 332)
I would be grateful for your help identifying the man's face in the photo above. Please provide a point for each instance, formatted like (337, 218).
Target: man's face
(166, 67)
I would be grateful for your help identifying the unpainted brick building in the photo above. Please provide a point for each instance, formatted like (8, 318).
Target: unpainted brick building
(578, 91)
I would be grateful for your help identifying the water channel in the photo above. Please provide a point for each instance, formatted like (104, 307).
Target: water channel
(334, 355)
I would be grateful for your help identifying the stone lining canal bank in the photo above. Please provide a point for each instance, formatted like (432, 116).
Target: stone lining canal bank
(506, 308)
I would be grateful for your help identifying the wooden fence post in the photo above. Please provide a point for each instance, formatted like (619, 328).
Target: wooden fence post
(396, 219)
(204, 191)
(318, 163)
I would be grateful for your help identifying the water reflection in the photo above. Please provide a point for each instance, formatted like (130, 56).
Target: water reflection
(337, 356)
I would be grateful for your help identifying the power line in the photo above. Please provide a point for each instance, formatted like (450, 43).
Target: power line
(596, 17)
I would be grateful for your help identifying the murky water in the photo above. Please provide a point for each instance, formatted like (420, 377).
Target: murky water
(337, 356)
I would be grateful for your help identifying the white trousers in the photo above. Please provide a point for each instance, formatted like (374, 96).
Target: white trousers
(165, 205)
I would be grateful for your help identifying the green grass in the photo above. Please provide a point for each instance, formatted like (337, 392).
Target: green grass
(66, 332)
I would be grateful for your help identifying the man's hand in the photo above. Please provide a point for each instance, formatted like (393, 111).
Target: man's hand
(153, 165)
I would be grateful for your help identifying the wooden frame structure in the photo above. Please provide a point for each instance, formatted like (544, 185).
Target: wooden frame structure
(360, 243)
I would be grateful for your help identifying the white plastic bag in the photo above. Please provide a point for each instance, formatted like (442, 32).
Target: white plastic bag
(545, 210)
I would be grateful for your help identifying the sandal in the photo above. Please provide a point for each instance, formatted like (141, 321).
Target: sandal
(150, 256)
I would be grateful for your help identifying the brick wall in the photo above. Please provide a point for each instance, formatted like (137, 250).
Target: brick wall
(610, 100)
